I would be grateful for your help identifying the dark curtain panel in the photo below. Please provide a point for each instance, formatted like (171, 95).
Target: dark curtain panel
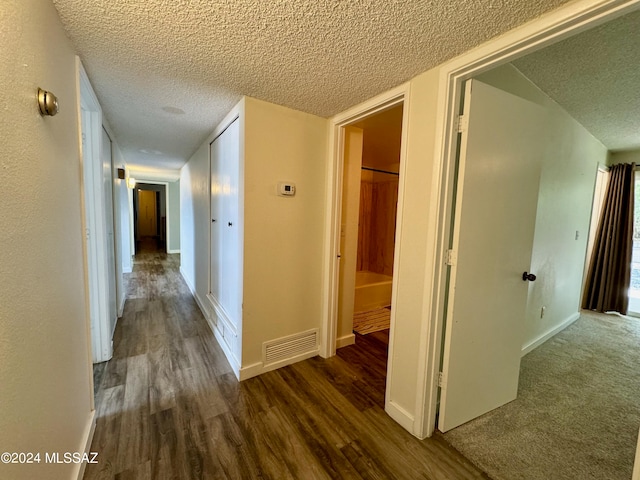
(607, 287)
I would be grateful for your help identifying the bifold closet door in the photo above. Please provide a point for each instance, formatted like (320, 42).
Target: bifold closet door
(226, 249)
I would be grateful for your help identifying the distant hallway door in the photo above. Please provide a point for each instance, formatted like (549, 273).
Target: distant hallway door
(147, 213)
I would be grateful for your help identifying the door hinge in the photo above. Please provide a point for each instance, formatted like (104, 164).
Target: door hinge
(462, 123)
(450, 258)
(440, 379)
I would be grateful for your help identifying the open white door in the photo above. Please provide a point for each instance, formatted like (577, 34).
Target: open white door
(496, 201)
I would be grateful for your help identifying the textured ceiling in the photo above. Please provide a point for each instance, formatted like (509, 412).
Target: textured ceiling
(151, 60)
(595, 76)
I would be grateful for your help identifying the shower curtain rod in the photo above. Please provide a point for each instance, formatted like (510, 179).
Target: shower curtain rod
(380, 171)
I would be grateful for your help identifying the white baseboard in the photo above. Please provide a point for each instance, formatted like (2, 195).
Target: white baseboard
(400, 415)
(345, 341)
(127, 269)
(173, 251)
(86, 445)
(549, 333)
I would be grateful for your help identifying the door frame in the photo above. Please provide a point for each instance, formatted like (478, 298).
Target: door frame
(166, 206)
(557, 25)
(335, 172)
(95, 241)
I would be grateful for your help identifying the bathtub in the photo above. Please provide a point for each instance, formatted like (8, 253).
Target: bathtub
(373, 290)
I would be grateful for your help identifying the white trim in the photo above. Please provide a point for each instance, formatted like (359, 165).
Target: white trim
(331, 265)
(95, 238)
(90, 429)
(345, 341)
(549, 333)
(400, 415)
(545, 30)
(171, 252)
(259, 368)
(221, 314)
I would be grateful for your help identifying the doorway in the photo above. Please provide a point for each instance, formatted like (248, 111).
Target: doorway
(369, 204)
(150, 217)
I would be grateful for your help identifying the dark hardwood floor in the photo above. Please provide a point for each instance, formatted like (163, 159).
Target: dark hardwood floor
(169, 407)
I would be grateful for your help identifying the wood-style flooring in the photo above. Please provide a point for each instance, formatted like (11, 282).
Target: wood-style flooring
(169, 407)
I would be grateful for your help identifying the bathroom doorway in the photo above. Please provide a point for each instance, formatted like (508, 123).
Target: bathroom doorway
(371, 154)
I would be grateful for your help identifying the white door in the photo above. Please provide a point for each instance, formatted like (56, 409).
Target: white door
(226, 238)
(107, 178)
(496, 201)
(216, 218)
(230, 247)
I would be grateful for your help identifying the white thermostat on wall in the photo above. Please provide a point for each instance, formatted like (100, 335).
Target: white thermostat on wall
(286, 189)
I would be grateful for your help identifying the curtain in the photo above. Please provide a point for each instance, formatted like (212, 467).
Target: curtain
(607, 287)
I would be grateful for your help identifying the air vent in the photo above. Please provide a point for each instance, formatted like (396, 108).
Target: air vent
(289, 347)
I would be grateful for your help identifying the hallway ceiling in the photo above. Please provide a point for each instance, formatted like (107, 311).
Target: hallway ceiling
(167, 71)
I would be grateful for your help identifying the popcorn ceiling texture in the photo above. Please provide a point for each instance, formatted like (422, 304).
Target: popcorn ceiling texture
(594, 76)
(317, 56)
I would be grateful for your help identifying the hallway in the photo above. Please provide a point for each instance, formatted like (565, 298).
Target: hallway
(168, 405)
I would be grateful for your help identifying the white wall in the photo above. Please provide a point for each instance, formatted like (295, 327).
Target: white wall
(194, 223)
(565, 197)
(283, 262)
(45, 394)
(174, 214)
(283, 237)
(631, 156)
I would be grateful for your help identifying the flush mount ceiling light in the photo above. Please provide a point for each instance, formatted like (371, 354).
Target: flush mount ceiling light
(47, 103)
(174, 110)
(149, 151)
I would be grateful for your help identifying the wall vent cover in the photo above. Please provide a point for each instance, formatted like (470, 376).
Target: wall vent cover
(288, 347)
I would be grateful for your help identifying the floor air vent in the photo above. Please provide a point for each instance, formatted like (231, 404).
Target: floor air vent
(289, 347)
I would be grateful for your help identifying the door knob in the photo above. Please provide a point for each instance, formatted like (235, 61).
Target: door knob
(528, 276)
(230, 224)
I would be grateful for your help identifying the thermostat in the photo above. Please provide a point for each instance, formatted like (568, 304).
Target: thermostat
(286, 189)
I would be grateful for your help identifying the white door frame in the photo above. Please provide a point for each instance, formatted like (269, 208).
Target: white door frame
(166, 206)
(398, 95)
(95, 239)
(548, 29)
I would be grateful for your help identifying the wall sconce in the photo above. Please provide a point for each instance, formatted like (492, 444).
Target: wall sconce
(131, 182)
(47, 103)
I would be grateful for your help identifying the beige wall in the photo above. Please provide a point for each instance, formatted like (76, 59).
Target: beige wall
(283, 262)
(44, 353)
(415, 240)
(283, 236)
(569, 166)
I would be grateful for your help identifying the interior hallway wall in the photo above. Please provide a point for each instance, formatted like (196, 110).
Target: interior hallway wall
(174, 217)
(45, 394)
(569, 166)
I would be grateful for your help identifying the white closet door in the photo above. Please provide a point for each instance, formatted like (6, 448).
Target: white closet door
(230, 286)
(216, 220)
(226, 238)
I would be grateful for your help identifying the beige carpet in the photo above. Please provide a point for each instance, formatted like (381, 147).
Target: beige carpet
(371, 320)
(577, 413)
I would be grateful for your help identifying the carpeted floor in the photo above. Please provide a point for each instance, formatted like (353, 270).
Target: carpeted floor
(372, 320)
(577, 413)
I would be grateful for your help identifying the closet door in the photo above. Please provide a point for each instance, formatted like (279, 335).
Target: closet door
(230, 286)
(216, 220)
(226, 238)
